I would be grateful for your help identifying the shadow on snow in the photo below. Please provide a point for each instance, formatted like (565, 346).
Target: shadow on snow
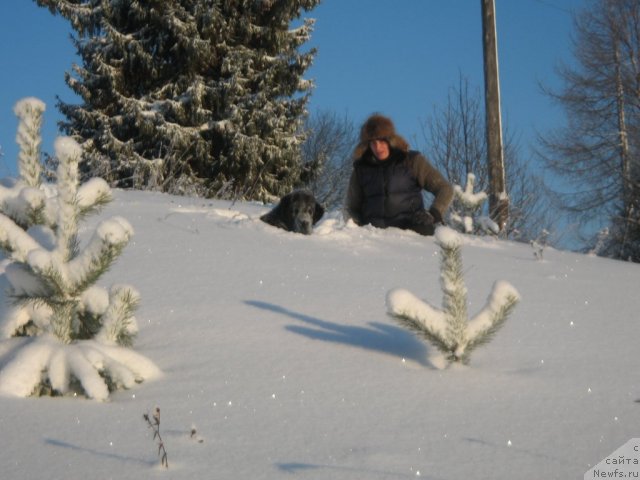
(379, 337)
(79, 448)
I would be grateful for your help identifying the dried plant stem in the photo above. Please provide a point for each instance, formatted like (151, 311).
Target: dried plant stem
(154, 424)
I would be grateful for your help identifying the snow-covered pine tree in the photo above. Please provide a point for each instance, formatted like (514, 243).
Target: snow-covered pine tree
(77, 332)
(467, 205)
(190, 96)
(449, 328)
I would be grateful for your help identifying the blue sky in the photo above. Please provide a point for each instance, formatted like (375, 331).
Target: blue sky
(397, 57)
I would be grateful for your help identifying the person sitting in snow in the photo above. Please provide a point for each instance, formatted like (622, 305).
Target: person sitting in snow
(385, 188)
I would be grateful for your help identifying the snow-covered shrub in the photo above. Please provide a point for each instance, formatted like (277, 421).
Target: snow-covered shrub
(78, 331)
(449, 328)
(466, 206)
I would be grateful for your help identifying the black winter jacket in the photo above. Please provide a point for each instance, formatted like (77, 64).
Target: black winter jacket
(388, 193)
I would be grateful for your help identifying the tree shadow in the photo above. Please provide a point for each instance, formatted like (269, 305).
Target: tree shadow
(79, 448)
(297, 468)
(542, 456)
(379, 337)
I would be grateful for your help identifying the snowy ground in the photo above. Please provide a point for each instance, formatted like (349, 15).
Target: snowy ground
(277, 348)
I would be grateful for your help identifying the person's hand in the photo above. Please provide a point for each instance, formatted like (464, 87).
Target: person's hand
(423, 223)
(423, 217)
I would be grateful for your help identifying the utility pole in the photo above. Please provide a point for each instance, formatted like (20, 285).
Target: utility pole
(498, 199)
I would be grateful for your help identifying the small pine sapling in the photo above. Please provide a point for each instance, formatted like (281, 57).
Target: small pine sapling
(77, 331)
(466, 205)
(449, 328)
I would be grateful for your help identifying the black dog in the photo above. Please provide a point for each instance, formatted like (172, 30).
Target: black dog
(297, 211)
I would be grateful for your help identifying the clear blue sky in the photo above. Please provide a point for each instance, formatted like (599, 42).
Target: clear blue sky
(398, 57)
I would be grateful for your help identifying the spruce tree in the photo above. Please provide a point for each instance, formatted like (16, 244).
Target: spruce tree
(77, 331)
(190, 96)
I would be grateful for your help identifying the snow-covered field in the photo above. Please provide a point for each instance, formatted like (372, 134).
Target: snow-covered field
(276, 347)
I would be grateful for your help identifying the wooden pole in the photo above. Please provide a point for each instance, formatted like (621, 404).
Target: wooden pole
(498, 199)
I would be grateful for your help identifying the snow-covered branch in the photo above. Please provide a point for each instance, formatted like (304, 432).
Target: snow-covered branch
(29, 112)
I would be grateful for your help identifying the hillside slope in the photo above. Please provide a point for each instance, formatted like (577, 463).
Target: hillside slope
(277, 349)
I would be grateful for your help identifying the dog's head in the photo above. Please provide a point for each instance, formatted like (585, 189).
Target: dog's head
(297, 212)
(303, 211)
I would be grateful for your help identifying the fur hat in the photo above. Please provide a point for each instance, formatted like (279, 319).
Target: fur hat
(379, 127)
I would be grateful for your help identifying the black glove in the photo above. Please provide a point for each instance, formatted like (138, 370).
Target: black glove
(423, 222)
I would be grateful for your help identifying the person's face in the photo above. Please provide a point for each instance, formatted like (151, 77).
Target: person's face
(380, 148)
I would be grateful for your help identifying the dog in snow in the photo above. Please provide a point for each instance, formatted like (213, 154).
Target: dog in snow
(297, 211)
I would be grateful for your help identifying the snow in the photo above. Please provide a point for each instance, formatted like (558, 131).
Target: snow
(90, 191)
(19, 377)
(67, 147)
(83, 359)
(501, 292)
(467, 196)
(23, 107)
(448, 237)
(10, 233)
(114, 230)
(277, 348)
(402, 302)
(95, 299)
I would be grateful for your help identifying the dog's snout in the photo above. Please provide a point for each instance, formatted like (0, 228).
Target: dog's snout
(305, 226)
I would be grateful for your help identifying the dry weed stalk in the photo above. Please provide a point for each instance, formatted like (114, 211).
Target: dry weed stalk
(154, 424)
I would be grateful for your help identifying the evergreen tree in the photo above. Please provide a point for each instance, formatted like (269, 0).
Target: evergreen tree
(190, 96)
(77, 330)
(449, 328)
